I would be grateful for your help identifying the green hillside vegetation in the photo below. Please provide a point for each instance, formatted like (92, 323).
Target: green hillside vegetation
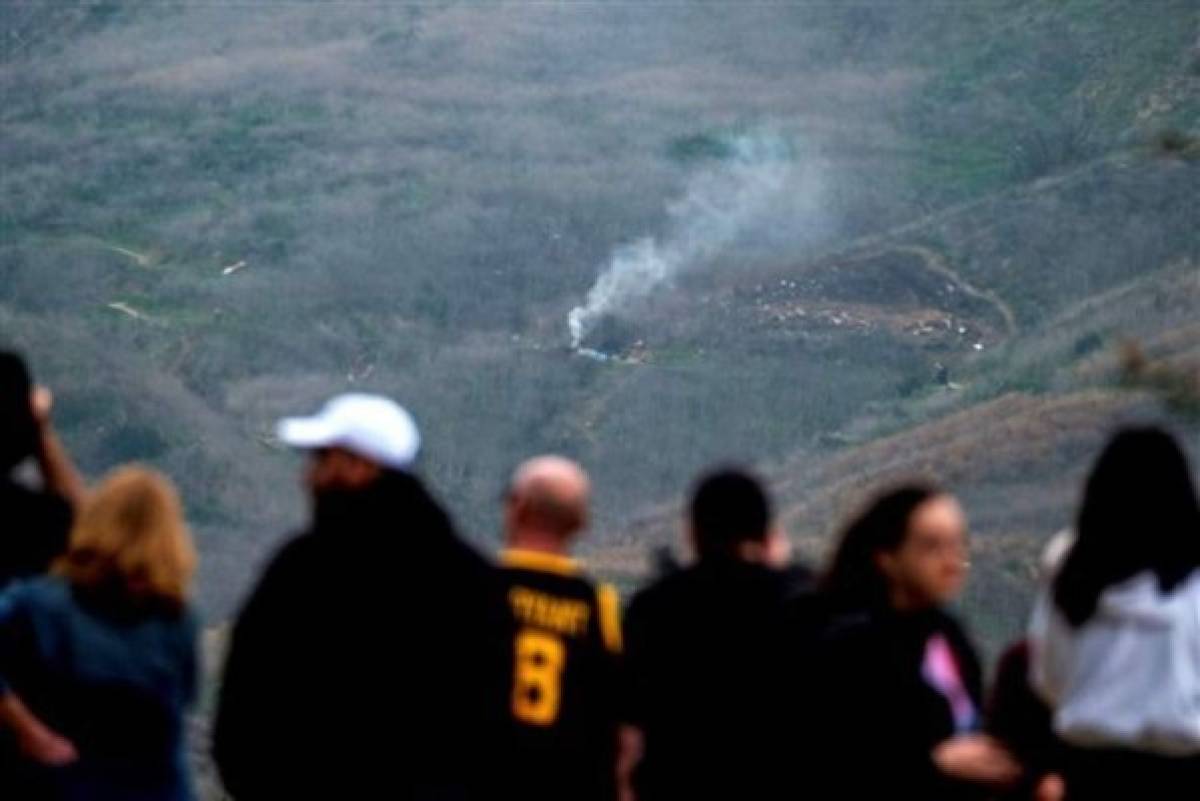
(988, 254)
(1013, 433)
(417, 195)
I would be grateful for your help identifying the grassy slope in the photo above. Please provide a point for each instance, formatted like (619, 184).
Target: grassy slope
(421, 192)
(1014, 441)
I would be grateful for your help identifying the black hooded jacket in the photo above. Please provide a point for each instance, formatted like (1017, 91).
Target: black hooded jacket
(880, 718)
(367, 662)
(710, 682)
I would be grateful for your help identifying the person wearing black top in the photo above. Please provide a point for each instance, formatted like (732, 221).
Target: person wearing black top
(369, 660)
(34, 523)
(566, 643)
(707, 659)
(898, 686)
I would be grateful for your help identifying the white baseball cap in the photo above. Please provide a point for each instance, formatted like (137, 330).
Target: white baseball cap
(370, 426)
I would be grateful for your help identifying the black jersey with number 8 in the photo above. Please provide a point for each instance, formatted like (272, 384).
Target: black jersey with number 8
(563, 705)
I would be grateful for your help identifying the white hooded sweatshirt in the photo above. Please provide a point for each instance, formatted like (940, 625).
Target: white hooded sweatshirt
(1129, 677)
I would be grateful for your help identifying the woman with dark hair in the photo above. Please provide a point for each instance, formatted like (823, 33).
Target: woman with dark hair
(901, 682)
(1115, 643)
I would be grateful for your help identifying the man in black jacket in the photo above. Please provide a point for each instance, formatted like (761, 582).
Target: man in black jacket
(370, 660)
(708, 659)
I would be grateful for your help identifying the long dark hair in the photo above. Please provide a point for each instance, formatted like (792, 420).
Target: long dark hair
(853, 580)
(1139, 513)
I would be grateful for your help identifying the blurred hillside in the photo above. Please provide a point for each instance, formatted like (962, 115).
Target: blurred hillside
(212, 215)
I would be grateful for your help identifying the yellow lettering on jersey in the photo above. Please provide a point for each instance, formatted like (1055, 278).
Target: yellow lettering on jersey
(537, 685)
(567, 616)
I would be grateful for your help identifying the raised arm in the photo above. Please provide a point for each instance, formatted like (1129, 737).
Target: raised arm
(58, 471)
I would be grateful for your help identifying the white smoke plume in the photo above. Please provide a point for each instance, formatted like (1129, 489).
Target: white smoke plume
(718, 206)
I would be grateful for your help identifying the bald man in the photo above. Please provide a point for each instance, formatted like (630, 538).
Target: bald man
(566, 642)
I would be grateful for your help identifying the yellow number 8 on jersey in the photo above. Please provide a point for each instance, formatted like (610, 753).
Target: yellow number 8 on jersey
(537, 686)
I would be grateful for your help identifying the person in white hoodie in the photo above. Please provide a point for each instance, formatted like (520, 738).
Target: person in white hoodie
(1115, 638)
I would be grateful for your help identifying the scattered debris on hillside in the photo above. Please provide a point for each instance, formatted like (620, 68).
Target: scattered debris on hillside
(360, 371)
(140, 259)
(637, 353)
(935, 328)
(129, 311)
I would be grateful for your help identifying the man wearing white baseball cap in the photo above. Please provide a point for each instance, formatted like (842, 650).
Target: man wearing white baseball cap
(369, 427)
(379, 617)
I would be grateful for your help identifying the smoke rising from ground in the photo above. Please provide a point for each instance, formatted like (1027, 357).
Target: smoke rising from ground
(720, 205)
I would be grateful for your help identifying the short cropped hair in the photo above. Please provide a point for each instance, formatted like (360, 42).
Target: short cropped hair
(728, 507)
(130, 539)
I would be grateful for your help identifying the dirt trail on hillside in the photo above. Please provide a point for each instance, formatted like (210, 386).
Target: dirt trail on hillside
(882, 240)
(888, 241)
(937, 263)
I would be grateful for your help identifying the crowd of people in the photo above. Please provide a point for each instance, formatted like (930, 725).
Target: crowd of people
(379, 655)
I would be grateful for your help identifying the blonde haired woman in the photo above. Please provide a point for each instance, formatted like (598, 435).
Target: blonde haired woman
(97, 660)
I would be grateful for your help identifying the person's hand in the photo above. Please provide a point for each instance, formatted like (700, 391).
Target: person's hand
(41, 401)
(46, 747)
(976, 758)
(630, 747)
(1050, 788)
(59, 474)
(779, 549)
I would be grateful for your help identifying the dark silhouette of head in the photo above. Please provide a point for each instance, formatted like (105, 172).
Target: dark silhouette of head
(854, 579)
(18, 431)
(729, 508)
(1139, 513)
